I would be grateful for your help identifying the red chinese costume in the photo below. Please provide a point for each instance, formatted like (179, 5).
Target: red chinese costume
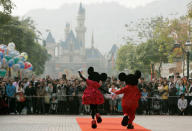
(130, 98)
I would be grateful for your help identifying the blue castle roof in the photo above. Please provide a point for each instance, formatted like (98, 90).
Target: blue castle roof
(50, 38)
(93, 53)
(71, 39)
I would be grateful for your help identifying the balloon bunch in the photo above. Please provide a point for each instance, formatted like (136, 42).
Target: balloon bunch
(11, 58)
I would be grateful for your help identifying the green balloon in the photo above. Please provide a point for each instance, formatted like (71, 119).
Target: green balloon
(16, 60)
(2, 72)
(8, 57)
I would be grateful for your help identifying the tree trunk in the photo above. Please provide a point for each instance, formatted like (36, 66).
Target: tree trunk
(183, 66)
(160, 65)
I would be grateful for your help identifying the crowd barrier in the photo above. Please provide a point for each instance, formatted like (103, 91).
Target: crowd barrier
(69, 104)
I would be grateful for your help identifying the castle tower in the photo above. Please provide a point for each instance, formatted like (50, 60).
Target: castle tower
(50, 44)
(67, 30)
(92, 41)
(81, 29)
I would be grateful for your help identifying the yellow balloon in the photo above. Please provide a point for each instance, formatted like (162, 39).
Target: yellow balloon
(25, 55)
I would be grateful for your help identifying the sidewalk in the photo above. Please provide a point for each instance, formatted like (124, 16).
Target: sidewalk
(69, 123)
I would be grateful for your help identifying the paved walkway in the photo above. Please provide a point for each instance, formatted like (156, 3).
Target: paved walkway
(68, 123)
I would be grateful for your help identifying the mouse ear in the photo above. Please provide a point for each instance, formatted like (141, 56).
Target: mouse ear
(122, 76)
(90, 70)
(138, 74)
(96, 76)
(103, 76)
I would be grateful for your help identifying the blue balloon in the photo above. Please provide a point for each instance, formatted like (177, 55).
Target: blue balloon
(30, 68)
(10, 63)
(1, 55)
(22, 66)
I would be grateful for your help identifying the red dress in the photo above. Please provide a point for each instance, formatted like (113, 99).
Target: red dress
(92, 94)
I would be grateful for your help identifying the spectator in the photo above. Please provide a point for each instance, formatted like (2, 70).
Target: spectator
(29, 93)
(113, 102)
(180, 87)
(20, 97)
(190, 108)
(62, 99)
(172, 101)
(48, 92)
(141, 84)
(54, 104)
(189, 91)
(40, 97)
(11, 90)
(81, 89)
(144, 101)
(34, 98)
(182, 105)
(163, 90)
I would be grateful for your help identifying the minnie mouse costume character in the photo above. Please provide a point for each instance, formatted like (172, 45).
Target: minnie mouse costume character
(130, 98)
(92, 95)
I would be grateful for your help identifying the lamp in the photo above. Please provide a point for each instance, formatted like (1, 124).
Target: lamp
(188, 45)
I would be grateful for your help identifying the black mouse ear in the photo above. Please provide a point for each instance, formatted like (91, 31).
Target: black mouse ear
(103, 76)
(122, 76)
(90, 70)
(138, 74)
(96, 76)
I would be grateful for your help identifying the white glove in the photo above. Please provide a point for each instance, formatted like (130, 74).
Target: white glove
(80, 70)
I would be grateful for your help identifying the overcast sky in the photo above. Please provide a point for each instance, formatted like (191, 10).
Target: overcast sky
(23, 6)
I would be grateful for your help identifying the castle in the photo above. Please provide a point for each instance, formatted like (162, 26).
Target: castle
(70, 54)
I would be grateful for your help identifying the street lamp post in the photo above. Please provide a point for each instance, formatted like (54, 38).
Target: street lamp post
(188, 45)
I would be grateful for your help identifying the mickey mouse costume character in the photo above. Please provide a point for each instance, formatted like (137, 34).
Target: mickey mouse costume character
(130, 98)
(92, 95)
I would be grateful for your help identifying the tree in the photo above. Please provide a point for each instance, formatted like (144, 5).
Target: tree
(7, 6)
(157, 38)
(25, 36)
(126, 58)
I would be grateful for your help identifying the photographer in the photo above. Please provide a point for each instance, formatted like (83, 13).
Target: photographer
(62, 98)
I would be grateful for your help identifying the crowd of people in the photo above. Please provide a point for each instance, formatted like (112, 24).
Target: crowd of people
(171, 95)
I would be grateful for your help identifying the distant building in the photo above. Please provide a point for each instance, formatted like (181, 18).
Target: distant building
(112, 55)
(70, 54)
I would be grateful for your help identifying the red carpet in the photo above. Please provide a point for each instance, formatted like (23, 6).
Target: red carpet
(108, 124)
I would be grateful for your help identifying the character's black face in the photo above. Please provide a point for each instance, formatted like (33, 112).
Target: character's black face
(131, 80)
(96, 77)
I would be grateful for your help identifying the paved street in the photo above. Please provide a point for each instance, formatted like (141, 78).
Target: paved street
(68, 123)
(38, 123)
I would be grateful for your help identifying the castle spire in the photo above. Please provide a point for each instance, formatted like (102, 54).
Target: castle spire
(81, 9)
(92, 41)
(81, 29)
